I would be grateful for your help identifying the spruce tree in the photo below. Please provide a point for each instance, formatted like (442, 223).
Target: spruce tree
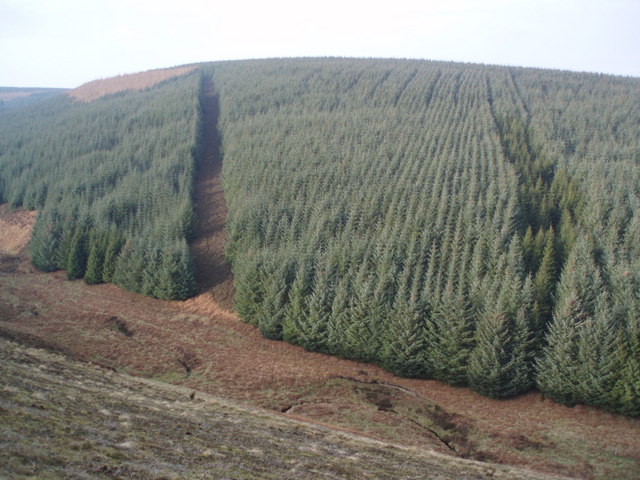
(597, 368)
(275, 281)
(186, 285)
(339, 319)
(169, 274)
(248, 286)
(297, 311)
(95, 262)
(404, 348)
(558, 370)
(157, 277)
(529, 250)
(365, 320)
(44, 244)
(450, 336)
(312, 325)
(77, 258)
(544, 287)
(555, 369)
(113, 246)
(129, 267)
(500, 364)
(67, 229)
(624, 396)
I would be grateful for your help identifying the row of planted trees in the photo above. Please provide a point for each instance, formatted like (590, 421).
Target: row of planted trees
(113, 182)
(440, 220)
(477, 225)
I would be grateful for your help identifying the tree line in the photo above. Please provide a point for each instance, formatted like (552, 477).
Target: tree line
(477, 225)
(113, 182)
(473, 224)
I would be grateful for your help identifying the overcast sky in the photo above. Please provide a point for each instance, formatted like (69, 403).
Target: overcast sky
(64, 43)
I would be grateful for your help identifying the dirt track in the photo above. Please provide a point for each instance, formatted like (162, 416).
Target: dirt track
(213, 273)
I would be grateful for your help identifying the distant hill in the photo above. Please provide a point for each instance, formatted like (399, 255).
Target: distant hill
(16, 97)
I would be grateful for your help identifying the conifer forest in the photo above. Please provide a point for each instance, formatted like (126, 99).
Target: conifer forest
(479, 225)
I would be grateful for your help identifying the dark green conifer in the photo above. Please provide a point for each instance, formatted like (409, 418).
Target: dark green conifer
(44, 244)
(186, 273)
(248, 286)
(275, 279)
(597, 367)
(129, 267)
(172, 273)
(157, 277)
(95, 260)
(78, 254)
(529, 251)
(312, 325)
(500, 364)
(339, 319)
(297, 311)
(450, 337)
(365, 320)
(404, 348)
(581, 285)
(544, 288)
(113, 246)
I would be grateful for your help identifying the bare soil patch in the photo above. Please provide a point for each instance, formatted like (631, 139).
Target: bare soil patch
(15, 229)
(133, 81)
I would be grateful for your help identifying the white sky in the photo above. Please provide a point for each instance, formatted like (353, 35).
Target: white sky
(64, 43)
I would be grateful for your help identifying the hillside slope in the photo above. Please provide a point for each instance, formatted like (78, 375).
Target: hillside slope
(203, 347)
(126, 83)
(473, 224)
(113, 181)
(64, 419)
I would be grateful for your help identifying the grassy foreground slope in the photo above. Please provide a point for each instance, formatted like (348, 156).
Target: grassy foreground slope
(65, 419)
(473, 224)
(202, 347)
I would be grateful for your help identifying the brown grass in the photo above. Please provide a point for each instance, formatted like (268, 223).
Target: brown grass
(231, 359)
(133, 81)
(65, 419)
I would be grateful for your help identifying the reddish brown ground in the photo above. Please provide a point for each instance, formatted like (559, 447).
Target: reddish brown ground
(133, 81)
(205, 347)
